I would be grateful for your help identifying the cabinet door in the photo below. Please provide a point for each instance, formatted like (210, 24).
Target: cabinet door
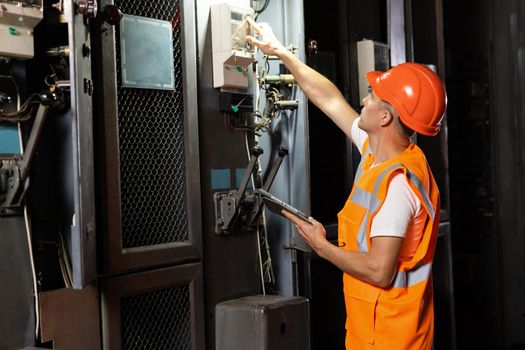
(147, 124)
(158, 309)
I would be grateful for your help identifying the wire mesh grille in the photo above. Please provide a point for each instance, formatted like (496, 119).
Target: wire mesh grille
(151, 145)
(157, 320)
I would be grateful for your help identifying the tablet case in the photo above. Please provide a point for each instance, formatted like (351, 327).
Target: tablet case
(276, 205)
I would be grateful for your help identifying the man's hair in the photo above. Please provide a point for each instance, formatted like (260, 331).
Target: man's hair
(404, 130)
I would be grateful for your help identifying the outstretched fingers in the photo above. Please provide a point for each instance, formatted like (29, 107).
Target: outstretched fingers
(255, 26)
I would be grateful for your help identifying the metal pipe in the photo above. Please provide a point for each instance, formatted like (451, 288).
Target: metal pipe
(287, 104)
(60, 51)
(279, 79)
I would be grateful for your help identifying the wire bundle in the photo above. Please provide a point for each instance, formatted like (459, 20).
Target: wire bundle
(24, 113)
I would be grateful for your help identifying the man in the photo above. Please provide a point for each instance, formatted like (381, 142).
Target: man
(388, 226)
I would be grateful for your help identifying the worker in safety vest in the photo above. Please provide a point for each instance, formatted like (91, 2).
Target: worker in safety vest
(388, 226)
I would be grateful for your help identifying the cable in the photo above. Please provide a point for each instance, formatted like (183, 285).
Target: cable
(19, 116)
(29, 244)
(23, 113)
(260, 260)
(262, 9)
(264, 125)
(259, 253)
(269, 274)
(257, 88)
(64, 260)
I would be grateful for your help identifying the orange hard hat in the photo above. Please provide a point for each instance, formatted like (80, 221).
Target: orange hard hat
(416, 92)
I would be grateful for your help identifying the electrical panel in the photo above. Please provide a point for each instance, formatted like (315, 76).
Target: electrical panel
(17, 20)
(371, 56)
(46, 118)
(232, 56)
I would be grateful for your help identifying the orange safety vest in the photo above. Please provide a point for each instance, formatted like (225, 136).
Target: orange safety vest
(400, 317)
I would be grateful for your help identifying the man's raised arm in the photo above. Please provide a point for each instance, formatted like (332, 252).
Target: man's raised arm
(321, 91)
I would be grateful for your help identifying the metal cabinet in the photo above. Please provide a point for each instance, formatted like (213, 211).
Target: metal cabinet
(149, 168)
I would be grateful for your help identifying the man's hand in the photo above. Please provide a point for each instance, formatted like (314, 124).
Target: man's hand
(314, 234)
(266, 40)
(377, 267)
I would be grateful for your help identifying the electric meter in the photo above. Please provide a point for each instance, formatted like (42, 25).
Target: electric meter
(232, 55)
(17, 20)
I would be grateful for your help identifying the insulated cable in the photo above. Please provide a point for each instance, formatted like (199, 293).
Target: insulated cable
(35, 288)
(262, 9)
(258, 237)
(267, 274)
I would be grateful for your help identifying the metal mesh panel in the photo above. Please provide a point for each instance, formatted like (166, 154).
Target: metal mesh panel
(151, 146)
(157, 320)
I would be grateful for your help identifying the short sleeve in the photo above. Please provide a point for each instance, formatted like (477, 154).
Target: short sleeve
(400, 210)
(358, 136)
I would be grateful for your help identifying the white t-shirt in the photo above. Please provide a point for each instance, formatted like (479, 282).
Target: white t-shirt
(401, 211)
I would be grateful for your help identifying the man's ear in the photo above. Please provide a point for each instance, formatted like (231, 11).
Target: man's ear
(386, 118)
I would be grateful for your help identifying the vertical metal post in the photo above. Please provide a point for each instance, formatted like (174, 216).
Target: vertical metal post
(396, 31)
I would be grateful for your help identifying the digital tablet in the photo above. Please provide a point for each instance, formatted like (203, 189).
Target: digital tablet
(276, 205)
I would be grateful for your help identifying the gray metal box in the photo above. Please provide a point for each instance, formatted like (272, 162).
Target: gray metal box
(263, 322)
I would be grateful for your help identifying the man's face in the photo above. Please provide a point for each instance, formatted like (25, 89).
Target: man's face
(370, 114)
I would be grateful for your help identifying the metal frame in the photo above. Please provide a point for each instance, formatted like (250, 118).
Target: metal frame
(115, 288)
(82, 243)
(435, 147)
(116, 258)
(396, 31)
(445, 278)
(290, 185)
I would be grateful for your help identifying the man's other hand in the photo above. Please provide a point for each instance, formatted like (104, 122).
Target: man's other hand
(314, 234)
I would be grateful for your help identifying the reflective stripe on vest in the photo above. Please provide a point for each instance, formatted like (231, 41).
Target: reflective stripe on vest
(372, 206)
(370, 201)
(409, 278)
(419, 185)
(360, 168)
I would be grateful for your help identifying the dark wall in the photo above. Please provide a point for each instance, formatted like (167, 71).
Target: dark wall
(471, 168)
(508, 93)
(336, 26)
(483, 41)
